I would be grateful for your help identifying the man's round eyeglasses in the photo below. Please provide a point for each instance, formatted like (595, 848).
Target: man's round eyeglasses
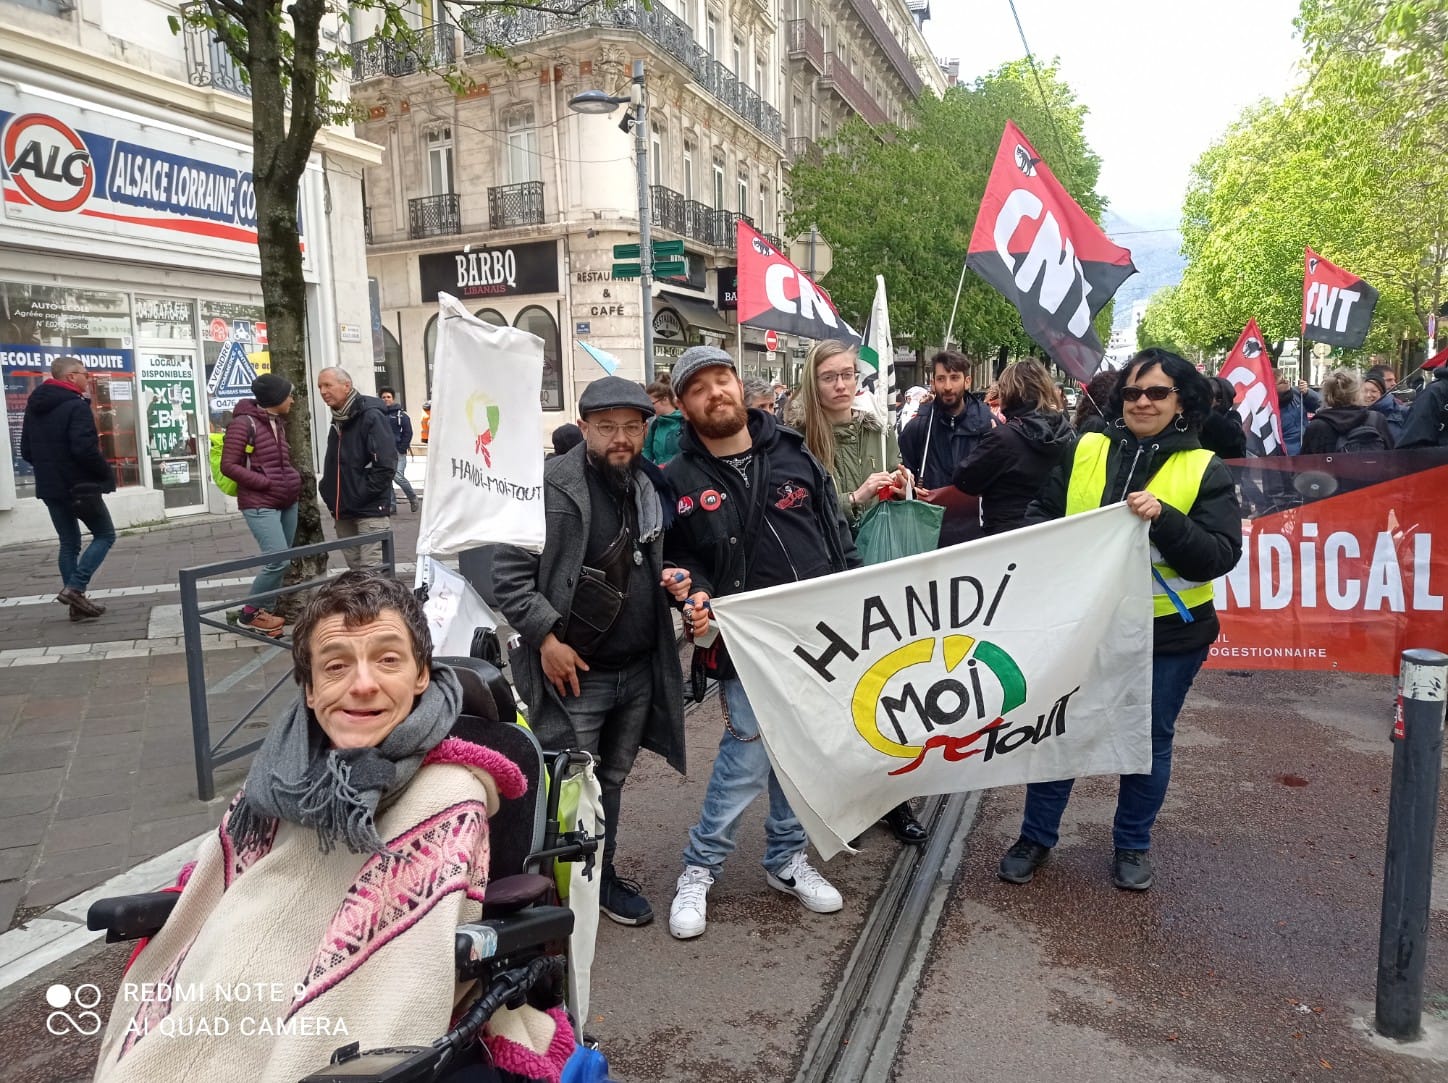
(609, 429)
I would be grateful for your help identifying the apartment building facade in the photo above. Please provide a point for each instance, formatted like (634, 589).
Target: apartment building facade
(128, 238)
(505, 197)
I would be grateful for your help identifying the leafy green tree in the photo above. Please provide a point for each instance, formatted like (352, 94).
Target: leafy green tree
(295, 58)
(902, 202)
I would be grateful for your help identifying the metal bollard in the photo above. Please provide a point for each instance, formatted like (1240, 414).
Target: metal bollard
(1412, 823)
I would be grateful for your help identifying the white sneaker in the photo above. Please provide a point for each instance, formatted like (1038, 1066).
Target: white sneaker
(802, 880)
(689, 913)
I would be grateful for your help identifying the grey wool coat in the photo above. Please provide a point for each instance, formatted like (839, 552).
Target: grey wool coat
(535, 592)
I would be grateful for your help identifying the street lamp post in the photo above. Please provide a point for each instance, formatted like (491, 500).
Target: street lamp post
(597, 102)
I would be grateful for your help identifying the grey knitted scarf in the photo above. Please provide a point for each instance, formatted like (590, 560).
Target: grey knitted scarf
(343, 412)
(298, 777)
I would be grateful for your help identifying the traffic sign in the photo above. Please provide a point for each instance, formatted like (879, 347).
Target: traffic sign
(667, 268)
(771, 340)
(668, 248)
(627, 270)
(626, 251)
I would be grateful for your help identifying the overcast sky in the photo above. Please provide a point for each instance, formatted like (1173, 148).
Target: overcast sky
(1161, 78)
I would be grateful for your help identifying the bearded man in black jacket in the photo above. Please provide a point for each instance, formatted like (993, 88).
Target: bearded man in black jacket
(755, 509)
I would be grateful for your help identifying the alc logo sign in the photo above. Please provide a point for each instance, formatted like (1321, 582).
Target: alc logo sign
(49, 162)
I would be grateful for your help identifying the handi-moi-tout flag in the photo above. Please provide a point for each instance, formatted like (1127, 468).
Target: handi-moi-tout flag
(1337, 306)
(1249, 367)
(1035, 245)
(775, 295)
(484, 477)
(935, 674)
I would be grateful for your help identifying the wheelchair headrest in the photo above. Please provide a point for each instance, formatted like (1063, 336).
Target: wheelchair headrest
(486, 693)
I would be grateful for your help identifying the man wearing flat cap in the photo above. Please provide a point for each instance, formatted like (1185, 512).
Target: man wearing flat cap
(597, 664)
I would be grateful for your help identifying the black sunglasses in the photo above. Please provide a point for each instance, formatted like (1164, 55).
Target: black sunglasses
(1155, 394)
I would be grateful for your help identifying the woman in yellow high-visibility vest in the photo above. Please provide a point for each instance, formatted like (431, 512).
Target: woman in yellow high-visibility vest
(1150, 457)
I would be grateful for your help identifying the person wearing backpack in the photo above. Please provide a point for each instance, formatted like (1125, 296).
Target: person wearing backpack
(256, 456)
(1344, 424)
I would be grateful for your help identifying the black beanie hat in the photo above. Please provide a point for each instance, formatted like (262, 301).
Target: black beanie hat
(269, 389)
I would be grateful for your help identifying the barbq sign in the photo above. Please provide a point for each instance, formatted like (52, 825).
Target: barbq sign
(477, 272)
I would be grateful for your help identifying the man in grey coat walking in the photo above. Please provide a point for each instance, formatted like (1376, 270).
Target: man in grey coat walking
(597, 663)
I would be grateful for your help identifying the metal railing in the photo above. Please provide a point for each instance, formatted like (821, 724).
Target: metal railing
(805, 42)
(668, 210)
(838, 76)
(194, 614)
(482, 29)
(690, 218)
(515, 205)
(436, 48)
(801, 148)
(434, 216)
(894, 51)
(208, 63)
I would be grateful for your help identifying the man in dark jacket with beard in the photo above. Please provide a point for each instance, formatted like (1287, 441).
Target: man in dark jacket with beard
(597, 663)
(755, 509)
(1294, 404)
(359, 467)
(942, 435)
(58, 438)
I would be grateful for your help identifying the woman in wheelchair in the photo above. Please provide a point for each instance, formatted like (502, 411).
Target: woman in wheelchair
(324, 909)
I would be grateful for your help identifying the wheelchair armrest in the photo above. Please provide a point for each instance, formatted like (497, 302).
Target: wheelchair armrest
(493, 943)
(509, 894)
(131, 917)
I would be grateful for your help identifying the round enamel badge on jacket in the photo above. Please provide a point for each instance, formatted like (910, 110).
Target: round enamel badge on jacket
(710, 500)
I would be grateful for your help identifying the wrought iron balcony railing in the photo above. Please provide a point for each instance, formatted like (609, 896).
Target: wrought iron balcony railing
(437, 48)
(207, 61)
(805, 41)
(803, 149)
(839, 77)
(690, 218)
(515, 205)
(484, 28)
(434, 216)
(894, 51)
(668, 210)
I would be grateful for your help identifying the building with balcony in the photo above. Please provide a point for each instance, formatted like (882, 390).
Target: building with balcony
(504, 173)
(128, 238)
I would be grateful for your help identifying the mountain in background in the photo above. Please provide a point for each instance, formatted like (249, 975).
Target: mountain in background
(1158, 259)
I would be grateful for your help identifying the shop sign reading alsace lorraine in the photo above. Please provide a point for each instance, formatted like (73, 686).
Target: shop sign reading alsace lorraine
(79, 168)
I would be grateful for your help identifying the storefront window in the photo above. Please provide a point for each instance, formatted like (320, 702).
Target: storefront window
(429, 347)
(234, 344)
(492, 316)
(39, 323)
(389, 372)
(540, 322)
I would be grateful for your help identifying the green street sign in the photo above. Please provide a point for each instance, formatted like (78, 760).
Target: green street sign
(625, 251)
(627, 270)
(668, 268)
(668, 248)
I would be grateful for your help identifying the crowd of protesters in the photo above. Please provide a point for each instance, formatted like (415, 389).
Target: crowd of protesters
(707, 484)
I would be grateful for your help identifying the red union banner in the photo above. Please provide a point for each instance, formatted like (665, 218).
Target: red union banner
(1337, 305)
(1344, 563)
(1249, 368)
(776, 295)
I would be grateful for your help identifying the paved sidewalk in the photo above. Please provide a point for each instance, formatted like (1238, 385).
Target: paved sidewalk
(96, 762)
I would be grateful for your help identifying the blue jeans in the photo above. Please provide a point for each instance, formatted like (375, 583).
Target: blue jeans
(76, 568)
(400, 477)
(1141, 796)
(741, 773)
(273, 529)
(609, 715)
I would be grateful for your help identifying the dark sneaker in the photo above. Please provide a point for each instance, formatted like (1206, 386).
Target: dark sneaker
(1022, 860)
(1131, 870)
(77, 616)
(76, 599)
(623, 900)
(412, 504)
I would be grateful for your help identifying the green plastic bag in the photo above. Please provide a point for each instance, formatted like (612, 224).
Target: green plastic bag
(898, 528)
(224, 483)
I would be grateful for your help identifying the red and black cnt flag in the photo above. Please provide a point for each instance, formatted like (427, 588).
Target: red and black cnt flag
(1337, 306)
(1044, 254)
(1042, 251)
